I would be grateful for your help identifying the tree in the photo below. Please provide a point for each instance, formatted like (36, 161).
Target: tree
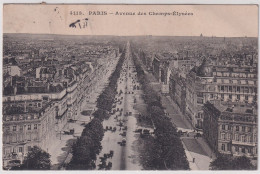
(165, 150)
(243, 163)
(37, 159)
(222, 162)
(83, 154)
(225, 162)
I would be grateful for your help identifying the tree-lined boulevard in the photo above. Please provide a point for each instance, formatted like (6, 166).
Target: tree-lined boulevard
(132, 126)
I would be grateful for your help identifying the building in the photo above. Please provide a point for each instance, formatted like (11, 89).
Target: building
(177, 90)
(161, 72)
(26, 124)
(45, 72)
(236, 83)
(12, 70)
(231, 129)
(199, 89)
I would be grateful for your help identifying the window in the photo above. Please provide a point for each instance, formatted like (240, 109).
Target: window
(237, 128)
(21, 127)
(243, 150)
(222, 88)
(238, 97)
(243, 138)
(228, 136)
(230, 96)
(14, 128)
(249, 138)
(249, 129)
(230, 88)
(246, 90)
(223, 127)
(20, 149)
(249, 150)
(243, 128)
(229, 127)
(236, 137)
(237, 149)
(238, 89)
(223, 136)
(223, 147)
(29, 127)
(35, 126)
(246, 97)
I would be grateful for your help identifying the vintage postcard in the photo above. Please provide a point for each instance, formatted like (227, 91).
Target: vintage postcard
(130, 87)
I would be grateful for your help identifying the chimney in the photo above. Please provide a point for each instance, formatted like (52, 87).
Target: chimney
(48, 86)
(15, 89)
(26, 87)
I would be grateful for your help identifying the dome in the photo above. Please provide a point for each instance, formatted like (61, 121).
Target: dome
(205, 69)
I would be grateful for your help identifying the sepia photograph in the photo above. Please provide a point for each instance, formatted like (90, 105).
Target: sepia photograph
(130, 87)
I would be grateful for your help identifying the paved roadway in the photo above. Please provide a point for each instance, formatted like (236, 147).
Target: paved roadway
(125, 157)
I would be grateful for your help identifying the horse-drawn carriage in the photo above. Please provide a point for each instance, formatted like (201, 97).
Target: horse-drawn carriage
(123, 142)
(104, 164)
(123, 134)
(70, 132)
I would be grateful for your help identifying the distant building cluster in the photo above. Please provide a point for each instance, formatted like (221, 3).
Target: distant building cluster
(213, 81)
(44, 85)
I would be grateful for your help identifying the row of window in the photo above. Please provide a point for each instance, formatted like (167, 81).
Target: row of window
(237, 89)
(228, 74)
(241, 138)
(237, 149)
(237, 128)
(243, 82)
(20, 138)
(22, 127)
(16, 150)
(21, 117)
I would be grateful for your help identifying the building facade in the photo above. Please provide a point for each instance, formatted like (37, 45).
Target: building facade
(177, 90)
(236, 83)
(32, 124)
(231, 129)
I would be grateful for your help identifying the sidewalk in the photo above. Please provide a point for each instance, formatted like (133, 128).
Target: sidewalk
(178, 118)
(192, 165)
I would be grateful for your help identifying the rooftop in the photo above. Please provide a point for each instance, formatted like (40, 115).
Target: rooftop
(239, 109)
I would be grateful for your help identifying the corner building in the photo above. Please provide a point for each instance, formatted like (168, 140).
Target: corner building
(231, 129)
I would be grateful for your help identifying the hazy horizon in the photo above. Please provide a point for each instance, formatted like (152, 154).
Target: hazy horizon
(132, 35)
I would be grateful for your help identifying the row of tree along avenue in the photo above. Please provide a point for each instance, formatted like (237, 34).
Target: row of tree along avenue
(88, 146)
(165, 150)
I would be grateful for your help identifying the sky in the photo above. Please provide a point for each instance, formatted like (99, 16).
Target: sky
(216, 20)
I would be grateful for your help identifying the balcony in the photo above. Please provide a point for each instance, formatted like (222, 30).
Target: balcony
(244, 143)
